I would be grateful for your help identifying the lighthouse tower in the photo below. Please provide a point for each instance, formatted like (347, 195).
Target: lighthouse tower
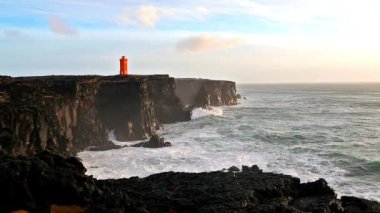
(123, 66)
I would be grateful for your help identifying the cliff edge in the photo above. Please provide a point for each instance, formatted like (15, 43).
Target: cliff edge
(204, 92)
(69, 113)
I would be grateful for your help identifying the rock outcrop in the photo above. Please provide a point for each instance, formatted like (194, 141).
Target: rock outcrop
(205, 93)
(69, 113)
(48, 182)
(154, 142)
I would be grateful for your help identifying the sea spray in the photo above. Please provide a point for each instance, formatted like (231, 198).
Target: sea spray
(202, 112)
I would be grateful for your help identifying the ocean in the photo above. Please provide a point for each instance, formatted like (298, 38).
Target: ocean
(310, 131)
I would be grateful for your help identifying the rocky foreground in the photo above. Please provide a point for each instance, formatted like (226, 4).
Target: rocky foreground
(48, 182)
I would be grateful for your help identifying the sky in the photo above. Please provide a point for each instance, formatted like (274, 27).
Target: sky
(247, 41)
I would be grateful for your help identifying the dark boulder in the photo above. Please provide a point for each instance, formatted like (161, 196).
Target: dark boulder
(34, 183)
(103, 147)
(233, 169)
(319, 187)
(154, 142)
(356, 205)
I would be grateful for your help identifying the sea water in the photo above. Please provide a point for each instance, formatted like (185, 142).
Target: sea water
(309, 131)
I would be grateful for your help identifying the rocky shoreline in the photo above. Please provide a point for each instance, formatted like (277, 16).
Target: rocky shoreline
(48, 182)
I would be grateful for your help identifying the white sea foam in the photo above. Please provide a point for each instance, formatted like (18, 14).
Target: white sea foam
(112, 138)
(211, 111)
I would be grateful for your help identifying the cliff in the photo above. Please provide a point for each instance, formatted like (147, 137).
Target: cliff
(51, 183)
(135, 106)
(205, 93)
(168, 107)
(70, 113)
(54, 113)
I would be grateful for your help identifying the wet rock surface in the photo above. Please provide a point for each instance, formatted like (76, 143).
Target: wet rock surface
(44, 181)
(104, 147)
(154, 142)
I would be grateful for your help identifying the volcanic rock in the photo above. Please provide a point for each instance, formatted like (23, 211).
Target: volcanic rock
(154, 142)
(47, 181)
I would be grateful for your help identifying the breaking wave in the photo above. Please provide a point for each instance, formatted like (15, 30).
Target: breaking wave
(211, 111)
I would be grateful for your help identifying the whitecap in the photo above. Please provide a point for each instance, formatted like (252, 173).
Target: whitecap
(112, 138)
(210, 111)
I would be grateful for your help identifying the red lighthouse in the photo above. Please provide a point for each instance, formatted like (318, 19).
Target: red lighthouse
(123, 66)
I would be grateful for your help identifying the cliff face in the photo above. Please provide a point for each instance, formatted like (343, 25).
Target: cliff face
(135, 106)
(204, 93)
(69, 113)
(125, 107)
(168, 107)
(49, 113)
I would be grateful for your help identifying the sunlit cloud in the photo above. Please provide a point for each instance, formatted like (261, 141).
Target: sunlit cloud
(145, 16)
(148, 16)
(57, 25)
(207, 43)
(202, 10)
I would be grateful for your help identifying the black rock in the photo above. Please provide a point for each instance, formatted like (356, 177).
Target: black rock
(103, 147)
(233, 169)
(319, 187)
(356, 205)
(47, 182)
(154, 142)
(252, 169)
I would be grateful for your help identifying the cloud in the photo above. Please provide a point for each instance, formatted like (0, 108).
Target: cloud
(202, 10)
(145, 16)
(206, 42)
(148, 16)
(57, 25)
